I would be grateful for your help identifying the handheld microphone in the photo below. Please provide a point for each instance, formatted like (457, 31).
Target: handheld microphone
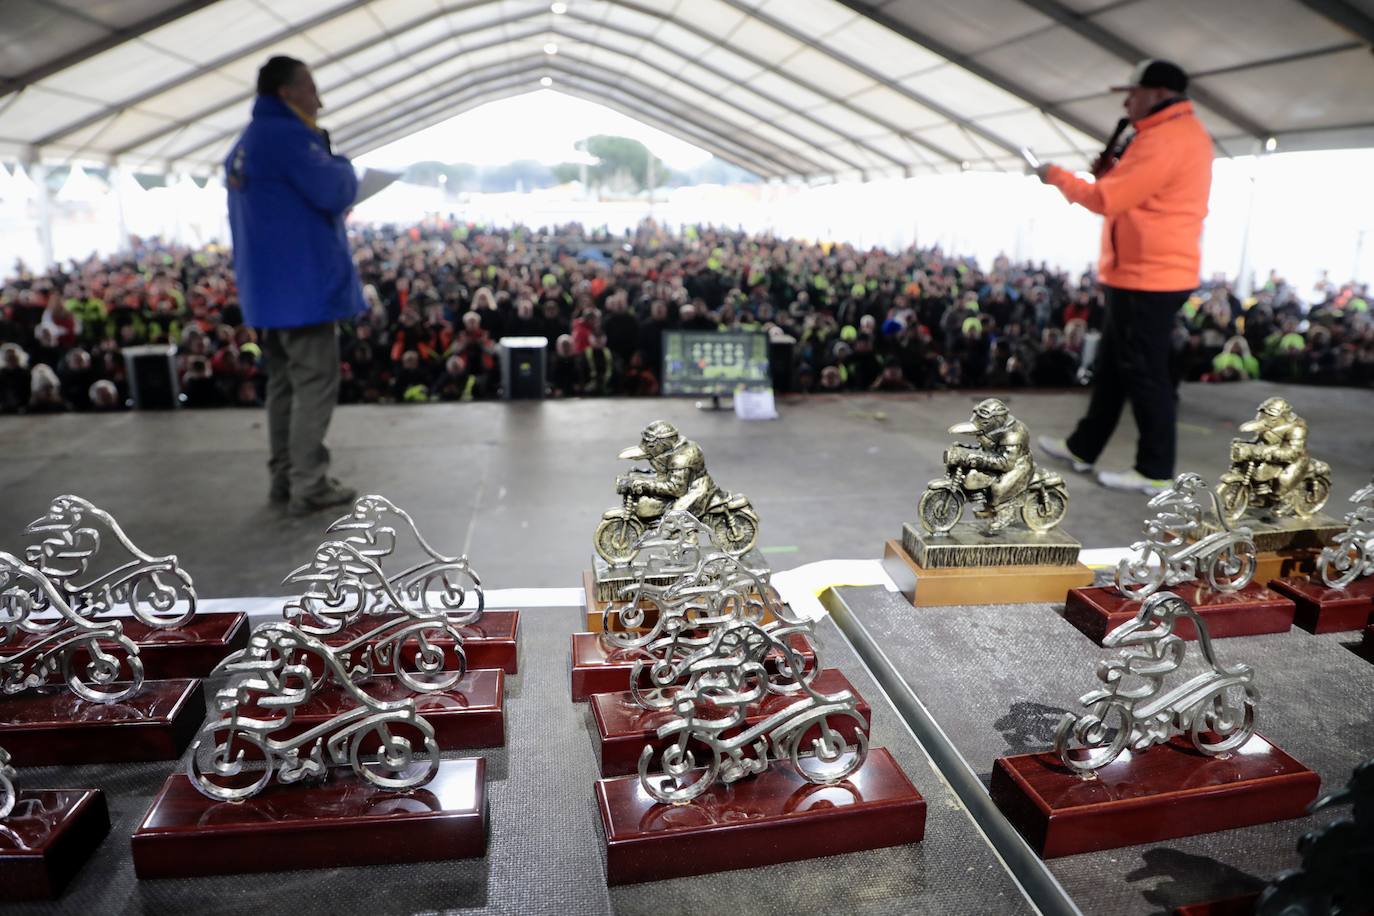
(1107, 158)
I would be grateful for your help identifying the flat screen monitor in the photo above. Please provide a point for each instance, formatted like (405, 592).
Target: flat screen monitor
(710, 363)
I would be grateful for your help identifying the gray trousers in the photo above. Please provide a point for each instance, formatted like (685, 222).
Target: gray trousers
(302, 389)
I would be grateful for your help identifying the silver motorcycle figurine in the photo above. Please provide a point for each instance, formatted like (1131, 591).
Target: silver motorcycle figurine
(1351, 555)
(1173, 552)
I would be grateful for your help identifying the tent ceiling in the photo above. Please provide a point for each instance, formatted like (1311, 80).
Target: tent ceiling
(780, 87)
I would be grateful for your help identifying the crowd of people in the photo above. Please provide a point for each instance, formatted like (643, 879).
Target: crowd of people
(440, 295)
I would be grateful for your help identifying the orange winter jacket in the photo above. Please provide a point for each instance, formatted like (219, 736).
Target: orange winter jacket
(1153, 202)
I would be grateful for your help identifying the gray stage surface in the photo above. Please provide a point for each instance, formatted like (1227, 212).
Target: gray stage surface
(997, 678)
(546, 852)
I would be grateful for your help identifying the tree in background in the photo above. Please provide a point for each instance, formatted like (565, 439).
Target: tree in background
(623, 165)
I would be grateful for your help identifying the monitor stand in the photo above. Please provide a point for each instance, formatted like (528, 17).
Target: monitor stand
(715, 404)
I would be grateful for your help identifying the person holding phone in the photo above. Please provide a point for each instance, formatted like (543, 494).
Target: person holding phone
(1153, 199)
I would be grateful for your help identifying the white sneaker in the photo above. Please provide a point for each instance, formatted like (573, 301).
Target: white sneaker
(1133, 481)
(1059, 448)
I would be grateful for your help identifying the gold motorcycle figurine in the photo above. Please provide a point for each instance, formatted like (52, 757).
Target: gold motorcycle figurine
(676, 479)
(1271, 471)
(997, 475)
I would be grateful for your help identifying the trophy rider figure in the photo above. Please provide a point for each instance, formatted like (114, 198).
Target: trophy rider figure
(679, 480)
(1001, 465)
(1278, 449)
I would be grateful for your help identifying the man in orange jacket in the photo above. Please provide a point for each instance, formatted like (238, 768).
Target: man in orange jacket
(1153, 200)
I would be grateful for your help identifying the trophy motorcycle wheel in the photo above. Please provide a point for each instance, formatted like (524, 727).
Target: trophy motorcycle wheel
(1312, 493)
(1140, 578)
(1234, 498)
(1220, 725)
(678, 780)
(421, 665)
(1341, 563)
(735, 532)
(229, 764)
(1045, 508)
(1232, 567)
(154, 593)
(832, 757)
(98, 679)
(940, 509)
(1089, 742)
(395, 753)
(615, 538)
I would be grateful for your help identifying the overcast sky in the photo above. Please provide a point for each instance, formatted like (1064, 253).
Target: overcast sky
(542, 125)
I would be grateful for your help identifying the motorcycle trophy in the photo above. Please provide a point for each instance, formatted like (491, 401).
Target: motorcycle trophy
(277, 779)
(46, 835)
(1149, 761)
(675, 479)
(102, 573)
(1191, 549)
(1340, 595)
(725, 723)
(1277, 490)
(647, 617)
(428, 583)
(72, 688)
(397, 639)
(1011, 550)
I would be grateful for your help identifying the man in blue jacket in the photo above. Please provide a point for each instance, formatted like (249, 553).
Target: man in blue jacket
(288, 194)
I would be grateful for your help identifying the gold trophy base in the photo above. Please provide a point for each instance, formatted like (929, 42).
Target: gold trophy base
(1281, 535)
(1281, 564)
(980, 585)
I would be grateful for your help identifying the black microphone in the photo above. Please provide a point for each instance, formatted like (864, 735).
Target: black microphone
(1104, 162)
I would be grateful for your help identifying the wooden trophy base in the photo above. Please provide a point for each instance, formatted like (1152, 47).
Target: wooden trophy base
(598, 669)
(47, 838)
(469, 714)
(52, 726)
(340, 822)
(188, 651)
(1281, 564)
(776, 816)
(979, 584)
(624, 728)
(1329, 610)
(1163, 793)
(1252, 610)
(488, 643)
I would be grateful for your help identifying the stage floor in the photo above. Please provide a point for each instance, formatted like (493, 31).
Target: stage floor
(520, 486)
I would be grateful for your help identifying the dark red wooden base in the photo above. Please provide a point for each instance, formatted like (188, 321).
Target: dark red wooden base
(624, 728)
(1244, 905)
(1253, 610)
(1329, 610)
(47, 838)
(597, 669)
(469, 714)
(489, 643)
(774, 817)
(342, 821)
(53, 726)
(1165, 792)
(188, 651)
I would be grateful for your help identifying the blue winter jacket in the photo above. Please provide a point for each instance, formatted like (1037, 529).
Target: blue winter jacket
(287, 199)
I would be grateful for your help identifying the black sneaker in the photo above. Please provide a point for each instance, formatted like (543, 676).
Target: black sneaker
(281, 490)
(333, 493)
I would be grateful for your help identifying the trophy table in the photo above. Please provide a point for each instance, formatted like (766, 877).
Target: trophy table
(46, 835)
(73, 688)
(1145, 763)
(364, 787)
(1340, 596)
(1016, 554)
(1191, 548)
(154, 596)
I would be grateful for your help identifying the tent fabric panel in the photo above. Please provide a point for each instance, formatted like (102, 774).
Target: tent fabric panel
(33, 113)
(1222, 33)
(763, 41)
(193, 94)
(1057, 64)
(1030, 128)
(964, 92)
(819, 69)
(880, 48)
(785, 89)
(968, 26)
(216, 30)
(954, 139)
(1335, 90)
(36, 33)
(896, 108)
(119, 73)
(817, 19)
